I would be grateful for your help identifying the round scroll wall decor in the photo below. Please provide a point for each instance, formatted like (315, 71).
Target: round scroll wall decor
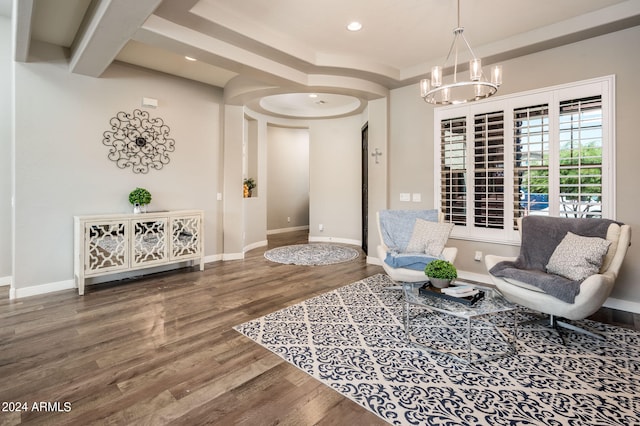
(138, 141)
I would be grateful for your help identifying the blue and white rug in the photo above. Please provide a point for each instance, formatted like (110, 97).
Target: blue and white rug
(352, 339)
(311, 254)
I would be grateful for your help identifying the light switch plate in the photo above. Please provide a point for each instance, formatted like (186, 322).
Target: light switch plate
(405, 196)
(416, 197)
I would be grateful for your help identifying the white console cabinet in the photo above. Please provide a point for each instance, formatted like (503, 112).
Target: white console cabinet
(107, 244)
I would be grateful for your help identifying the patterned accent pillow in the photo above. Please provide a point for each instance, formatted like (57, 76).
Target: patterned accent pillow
(577, 257)
(429, 237)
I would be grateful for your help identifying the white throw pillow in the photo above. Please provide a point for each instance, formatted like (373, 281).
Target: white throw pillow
(577, 257)
(429, 237)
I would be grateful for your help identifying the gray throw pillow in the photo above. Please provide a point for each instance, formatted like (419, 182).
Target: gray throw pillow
(578, 257)
(429, 237)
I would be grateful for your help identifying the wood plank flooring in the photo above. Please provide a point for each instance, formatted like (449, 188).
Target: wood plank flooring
(161, 349)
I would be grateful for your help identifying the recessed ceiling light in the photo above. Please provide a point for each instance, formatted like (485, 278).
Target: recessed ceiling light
(354, 26)
(189, 58)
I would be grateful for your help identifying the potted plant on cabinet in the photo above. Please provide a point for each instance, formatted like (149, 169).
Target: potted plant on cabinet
(440, 273)
(247, 187)
(139, 197)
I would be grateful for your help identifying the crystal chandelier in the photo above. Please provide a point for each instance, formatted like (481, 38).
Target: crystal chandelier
(435, 91)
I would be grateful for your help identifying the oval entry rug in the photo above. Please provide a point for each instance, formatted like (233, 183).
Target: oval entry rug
(311, 254)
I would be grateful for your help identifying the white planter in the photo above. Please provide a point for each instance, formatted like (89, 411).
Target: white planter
(439, 282)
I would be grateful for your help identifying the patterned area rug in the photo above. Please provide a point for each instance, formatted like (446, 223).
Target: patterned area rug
(352, 339)
(311, 254)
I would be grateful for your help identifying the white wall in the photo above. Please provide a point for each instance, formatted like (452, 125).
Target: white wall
(411, 137)
(6, 83)
(287, 178)
(234, 221)
(255, 207)
(411, 149)
(62, 169)
(335, 180)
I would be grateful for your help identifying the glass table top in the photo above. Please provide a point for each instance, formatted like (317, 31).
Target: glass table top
(491, 303)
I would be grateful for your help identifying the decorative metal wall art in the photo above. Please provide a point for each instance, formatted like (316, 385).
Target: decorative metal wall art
(138, 141)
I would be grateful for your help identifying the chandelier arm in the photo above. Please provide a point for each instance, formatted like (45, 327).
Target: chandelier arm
(473, 55)
(453, 44)
(455, 63)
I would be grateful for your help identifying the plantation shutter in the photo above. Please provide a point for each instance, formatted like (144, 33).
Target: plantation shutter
(581, 157)
(453, 144)
(531, 161)
(545, 152)
(488, 179)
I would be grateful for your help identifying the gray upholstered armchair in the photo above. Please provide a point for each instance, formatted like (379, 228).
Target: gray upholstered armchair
(566, 268)
(408, 242)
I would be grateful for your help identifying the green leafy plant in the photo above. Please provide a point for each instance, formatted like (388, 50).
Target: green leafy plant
(441, 269)
(140, 196)
(249, 183)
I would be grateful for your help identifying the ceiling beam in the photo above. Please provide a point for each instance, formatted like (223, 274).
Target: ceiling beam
(107, 27)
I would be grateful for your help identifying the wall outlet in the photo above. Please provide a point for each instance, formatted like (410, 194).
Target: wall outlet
(288, 219)
(478, 256)
(321, 227)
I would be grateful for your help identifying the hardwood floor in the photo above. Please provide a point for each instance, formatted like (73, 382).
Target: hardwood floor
(161, 349)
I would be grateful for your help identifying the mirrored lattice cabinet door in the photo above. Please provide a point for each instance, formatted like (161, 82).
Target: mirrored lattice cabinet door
(185, 236)
(107, 247)
(149, 241)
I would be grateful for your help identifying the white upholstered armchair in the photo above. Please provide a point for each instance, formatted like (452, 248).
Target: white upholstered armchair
(567, 246)
(411, 273)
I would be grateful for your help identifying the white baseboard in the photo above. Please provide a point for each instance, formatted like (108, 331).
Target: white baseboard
(15, 293)
(335, 240)
(255, 245)
(233, 256)
(213, 258)
(5, 280)
(374, 260)
(283, 230)
(622, 305)
(35, 290)
(474, 276)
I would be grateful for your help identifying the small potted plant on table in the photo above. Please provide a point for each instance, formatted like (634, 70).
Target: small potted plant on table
(440, 273)
(139, 197)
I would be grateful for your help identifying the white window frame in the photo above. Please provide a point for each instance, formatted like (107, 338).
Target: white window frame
(603, 86)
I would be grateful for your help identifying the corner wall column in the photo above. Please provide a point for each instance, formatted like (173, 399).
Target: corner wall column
(233, 212)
